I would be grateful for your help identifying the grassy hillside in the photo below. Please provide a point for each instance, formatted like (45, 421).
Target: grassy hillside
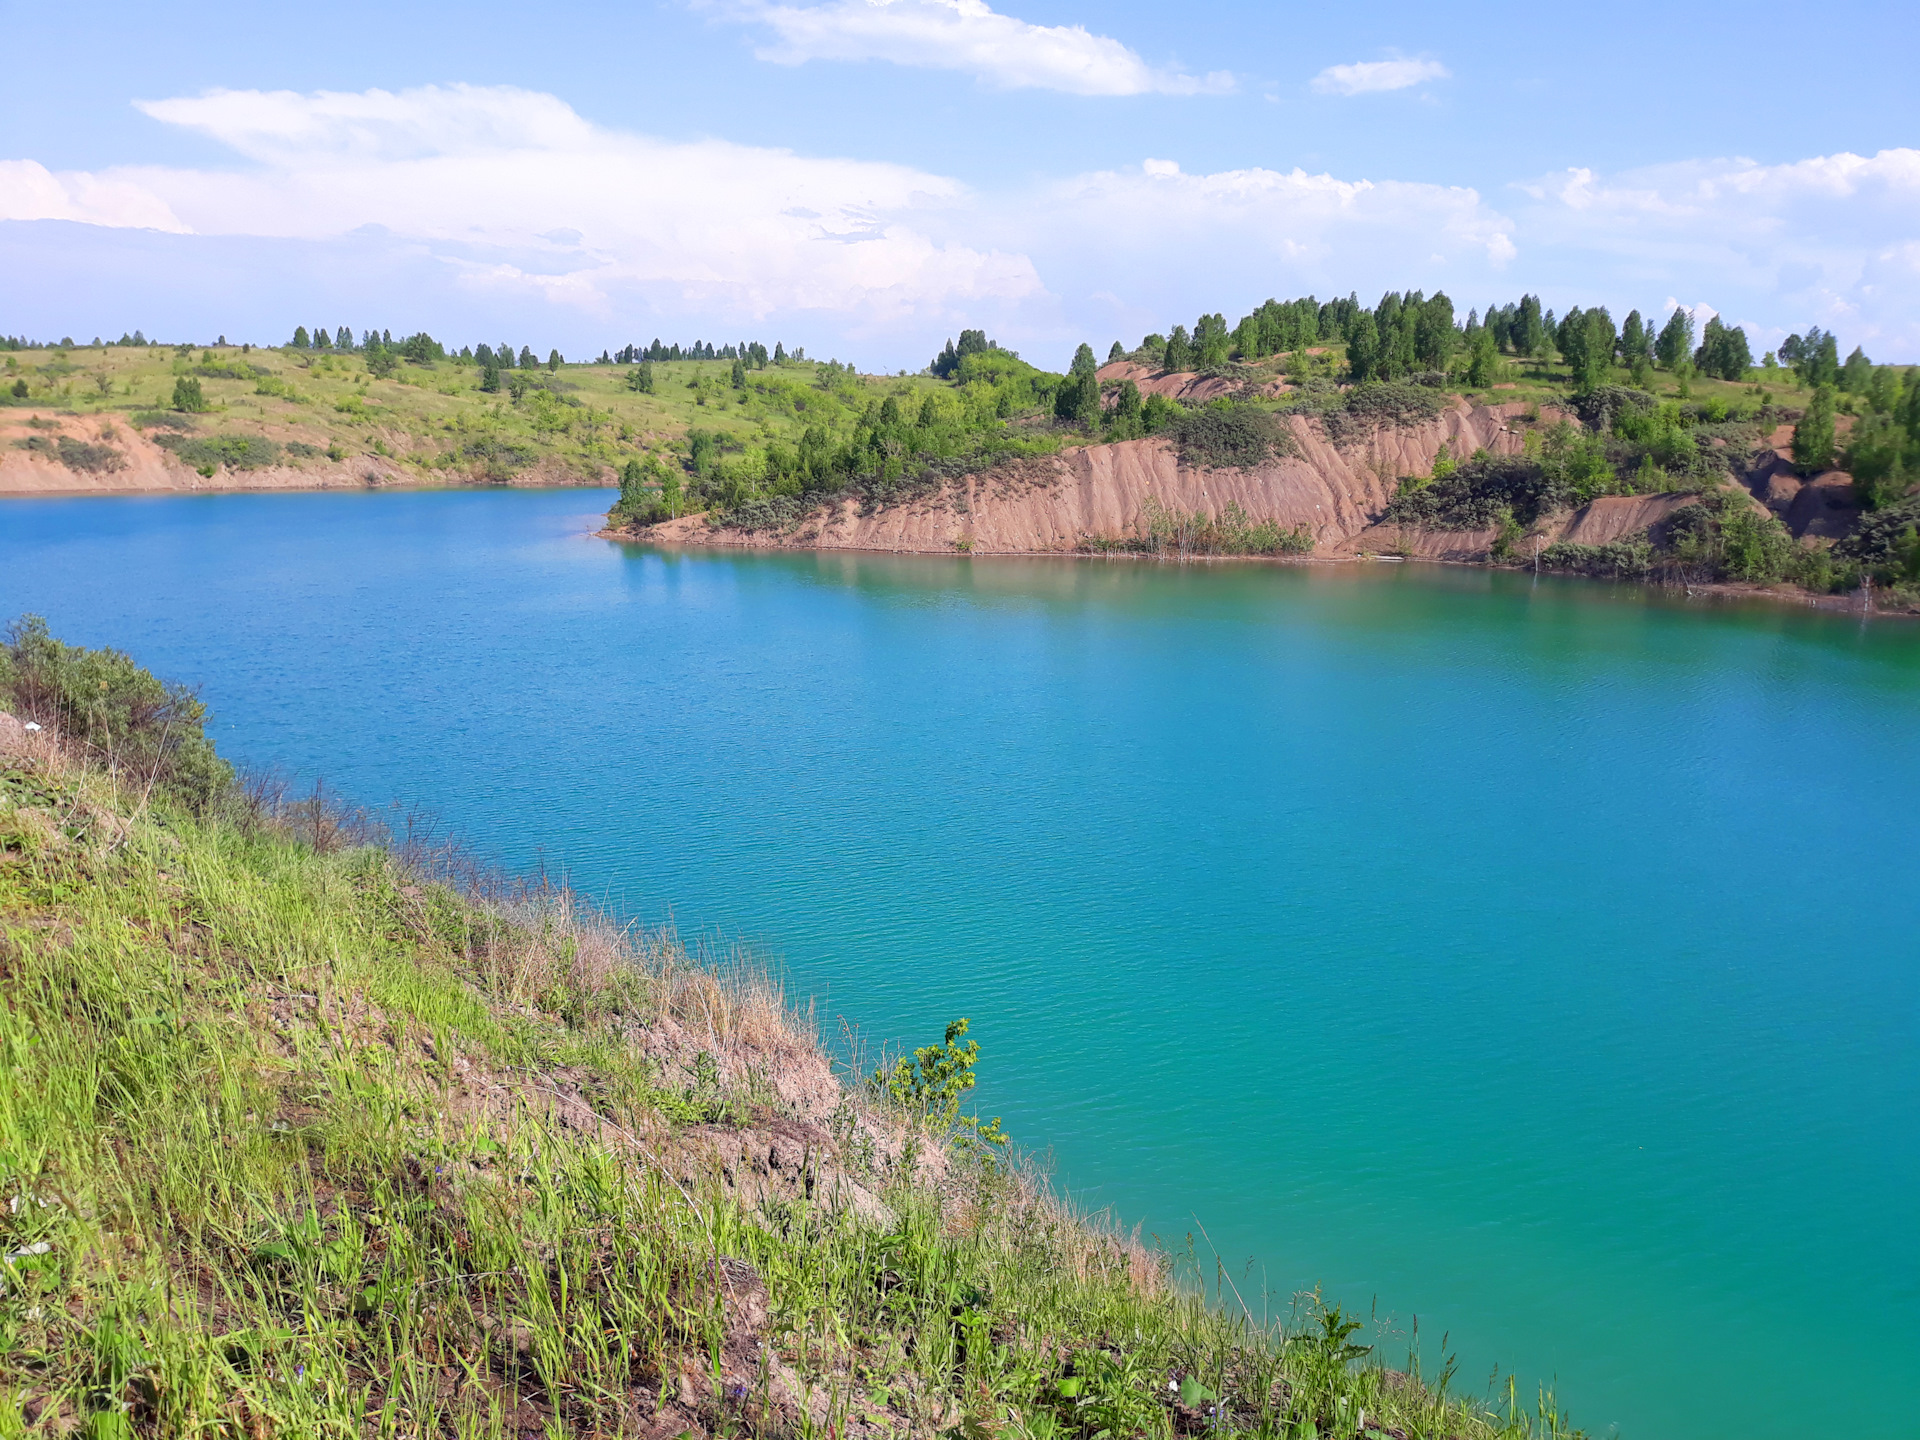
(300, 1137)
(302, 407)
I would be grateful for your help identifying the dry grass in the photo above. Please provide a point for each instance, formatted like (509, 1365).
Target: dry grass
(309, 1141)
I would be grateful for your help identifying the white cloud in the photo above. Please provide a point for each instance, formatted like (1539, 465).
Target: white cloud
(968, 36)
(1370, 77)
(1174, 244)
(453, 204)
(490, 176)
(1267, 213)
(1826, 240)
(29, 191)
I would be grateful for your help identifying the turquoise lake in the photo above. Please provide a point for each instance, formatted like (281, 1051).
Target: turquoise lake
(1537, 958)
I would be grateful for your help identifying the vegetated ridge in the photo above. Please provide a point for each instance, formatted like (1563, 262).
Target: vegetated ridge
(308, 1127)
(1518, 440)
(326, 412)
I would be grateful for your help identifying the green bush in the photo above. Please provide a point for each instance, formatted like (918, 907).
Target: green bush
(1388, 405)
(1813, 436)
(188, 397)
(933, 1081)
(151, 733)
(95, 459)
(236, 452)
(1629, 557)
(1226, 434)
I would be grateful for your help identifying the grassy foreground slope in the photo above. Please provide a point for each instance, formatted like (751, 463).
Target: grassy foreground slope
(298, 1139)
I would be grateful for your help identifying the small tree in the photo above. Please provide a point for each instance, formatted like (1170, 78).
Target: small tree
(1116, 353)
(553, 362)
(935, 1079)
(740, 374)
(1083, 362)
(1634, 339)
(300, 340)
(1591, 352)
(1483, 357)
(1676, 339)
(188, 398)
(1813, 436)
(1856, 373)
(1179, 350)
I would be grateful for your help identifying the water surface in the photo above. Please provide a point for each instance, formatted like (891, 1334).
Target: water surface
(1537, 959)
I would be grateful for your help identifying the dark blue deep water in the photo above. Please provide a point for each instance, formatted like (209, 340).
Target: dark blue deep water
(1539, 959)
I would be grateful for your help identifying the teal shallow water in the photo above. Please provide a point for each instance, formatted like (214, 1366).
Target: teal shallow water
(1537, 959)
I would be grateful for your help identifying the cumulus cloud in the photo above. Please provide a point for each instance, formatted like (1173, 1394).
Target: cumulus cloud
(1370, 77)
(968, 36)
(29, 191)
(1171, 243)
(1826, 240)
(516, 190)
(462, 202)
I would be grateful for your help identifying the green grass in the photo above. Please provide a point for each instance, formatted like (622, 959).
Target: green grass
(294, 1140)
(308, 408)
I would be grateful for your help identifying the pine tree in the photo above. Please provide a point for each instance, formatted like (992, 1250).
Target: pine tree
(1676, 339)
(1363, 348)
(740, 374)
(1813, 436)
(1083, 362)
(1529, 333)
(1179, 351)
(528, 360)
(1116, 353)
(1634, 340)
(300, 341)
(1855, 374)
(1483, 357)
(553, 361)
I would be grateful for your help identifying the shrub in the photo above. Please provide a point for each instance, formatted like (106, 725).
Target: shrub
(151, 733)
(1629, 557)
(498, 460)
(94, 459)
(1389, 404)
(1602, 407)
(1165, 531)
(1885, 538)
(236, 452)
(935, 1079)
(1225, 435)
(159, 420)
(188, 397)
(1813, 436)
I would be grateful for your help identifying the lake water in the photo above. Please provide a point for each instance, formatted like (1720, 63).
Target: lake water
(1541, 960)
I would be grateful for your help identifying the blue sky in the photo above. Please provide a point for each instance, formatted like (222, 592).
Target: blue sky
(866, 178)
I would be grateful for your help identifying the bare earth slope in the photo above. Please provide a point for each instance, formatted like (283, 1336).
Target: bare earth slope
(1102, 491)
(138, 466)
